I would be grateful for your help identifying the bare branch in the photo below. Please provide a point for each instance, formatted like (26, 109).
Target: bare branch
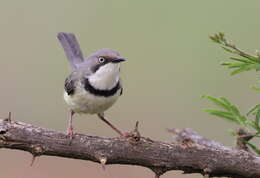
(191, 153)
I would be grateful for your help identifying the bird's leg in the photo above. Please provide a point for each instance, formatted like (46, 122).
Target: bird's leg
(102, 117)
(70, 127)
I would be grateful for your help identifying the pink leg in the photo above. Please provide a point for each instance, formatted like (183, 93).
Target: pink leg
(101, 116)
(70, 127)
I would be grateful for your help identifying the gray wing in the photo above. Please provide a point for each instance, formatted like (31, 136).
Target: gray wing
(69, 86)
(71, 48)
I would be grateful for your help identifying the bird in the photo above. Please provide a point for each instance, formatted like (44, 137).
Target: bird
(94, 83)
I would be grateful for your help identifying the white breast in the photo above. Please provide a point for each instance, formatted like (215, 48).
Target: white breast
(84, 102)
(104, 79)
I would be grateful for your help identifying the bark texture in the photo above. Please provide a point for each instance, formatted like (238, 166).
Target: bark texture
(189, 151)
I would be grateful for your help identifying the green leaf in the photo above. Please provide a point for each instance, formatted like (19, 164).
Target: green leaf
(256, 111)
(221, 35)
(222, 114)
(241, 60)
(257, 67)
(240, 119)
(225, 100)
(216, 102)
(253, 109)
(233, 113)
(255, 88)
(235, 110)
(251, 124)
(243, 69)
(253, 147)
(253, 58)
(238, 71)
(237, 65)
(227, 49)
(247, 61)
(226, 63)
(257, 118)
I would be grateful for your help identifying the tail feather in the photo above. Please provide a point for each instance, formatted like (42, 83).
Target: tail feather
(71, 48)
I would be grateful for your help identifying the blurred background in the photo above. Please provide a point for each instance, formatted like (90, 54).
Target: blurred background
(171, 64)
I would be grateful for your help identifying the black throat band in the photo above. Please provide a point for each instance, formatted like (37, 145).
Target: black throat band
(98, 92)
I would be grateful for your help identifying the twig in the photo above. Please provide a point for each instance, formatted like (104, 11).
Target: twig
(242, 138)
(239, 51)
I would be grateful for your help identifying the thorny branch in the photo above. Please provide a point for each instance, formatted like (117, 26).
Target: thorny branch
(189, 152)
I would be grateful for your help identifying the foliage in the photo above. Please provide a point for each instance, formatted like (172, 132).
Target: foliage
(244, 61)
(228, 111)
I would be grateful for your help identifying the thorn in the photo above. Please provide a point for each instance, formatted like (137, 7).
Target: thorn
(136, 126)
(133, 136)
(37, 150)
(157, 176)
(8, 119)
(136, 134)
(158, 172)
(103, 161)
(33, 160)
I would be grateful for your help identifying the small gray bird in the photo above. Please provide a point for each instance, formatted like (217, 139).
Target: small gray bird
(94, 84)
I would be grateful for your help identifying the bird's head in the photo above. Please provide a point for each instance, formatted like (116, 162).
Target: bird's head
(105, 67)
(105, 60)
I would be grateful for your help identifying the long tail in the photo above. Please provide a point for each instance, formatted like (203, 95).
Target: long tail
(71, 48)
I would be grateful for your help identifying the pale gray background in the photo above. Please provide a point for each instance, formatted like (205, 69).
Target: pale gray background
(171, 64)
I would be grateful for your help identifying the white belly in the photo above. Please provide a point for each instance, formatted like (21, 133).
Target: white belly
(84, 102)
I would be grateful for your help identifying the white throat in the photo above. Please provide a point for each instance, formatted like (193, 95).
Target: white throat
(106, 77)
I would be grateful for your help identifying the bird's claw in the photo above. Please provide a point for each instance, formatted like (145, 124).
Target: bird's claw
(70, 132)
(132, 135)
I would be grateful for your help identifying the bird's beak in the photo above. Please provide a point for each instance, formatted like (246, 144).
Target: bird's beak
(119, 59)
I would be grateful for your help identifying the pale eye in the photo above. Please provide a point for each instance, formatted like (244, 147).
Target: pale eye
(101, 59)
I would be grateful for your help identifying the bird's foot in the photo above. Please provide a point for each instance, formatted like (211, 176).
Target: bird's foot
(127, 134)
(70, 132)
(133, 136)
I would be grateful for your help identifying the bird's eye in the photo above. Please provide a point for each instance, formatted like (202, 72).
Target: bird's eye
(101, 59)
